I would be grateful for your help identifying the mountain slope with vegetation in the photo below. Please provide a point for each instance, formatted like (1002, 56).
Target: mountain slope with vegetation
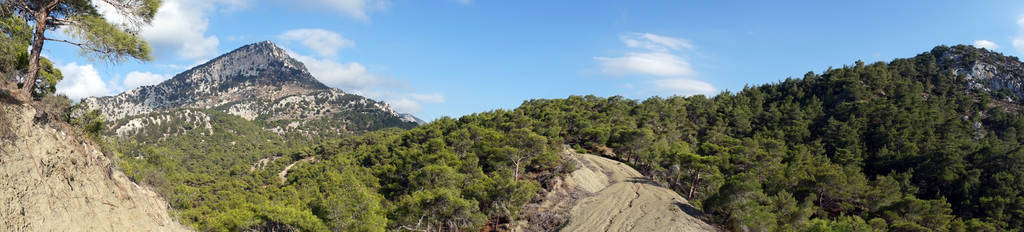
(915, 144)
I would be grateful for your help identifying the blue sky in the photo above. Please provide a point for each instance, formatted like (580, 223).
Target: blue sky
(456, 57)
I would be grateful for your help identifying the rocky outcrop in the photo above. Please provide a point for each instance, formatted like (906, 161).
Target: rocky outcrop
(188, 119)
(983, 70)
(255, 71)
(256, 82)
(51, 180)
(411, 118)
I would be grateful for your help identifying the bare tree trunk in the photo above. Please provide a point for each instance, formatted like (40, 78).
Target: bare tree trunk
(38, 36)
(515, 174)
(693, 187)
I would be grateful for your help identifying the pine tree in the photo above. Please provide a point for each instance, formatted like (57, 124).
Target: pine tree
(82, 21)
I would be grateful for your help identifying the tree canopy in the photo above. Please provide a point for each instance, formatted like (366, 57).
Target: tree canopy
(24, 27)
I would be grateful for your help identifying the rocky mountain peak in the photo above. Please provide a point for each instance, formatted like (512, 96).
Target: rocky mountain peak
(260, 54)
(256, 71)
(257, 82)
(253, 61)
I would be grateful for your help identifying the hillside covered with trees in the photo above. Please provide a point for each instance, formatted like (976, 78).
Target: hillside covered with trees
(898, 146)
(928, 143)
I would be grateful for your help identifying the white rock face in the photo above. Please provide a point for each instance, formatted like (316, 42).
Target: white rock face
(191, 118)
(243, 110)
(986, 71)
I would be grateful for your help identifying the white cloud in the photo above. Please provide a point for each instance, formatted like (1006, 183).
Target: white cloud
(346, 76)
(323, 42)
(685, 87)
(986, 44)
(659, 57)
(654, 63)
(655, 42)
(431, 97)
(81, 81)
(656, 56)
(180, 26)
(358, 9)
(135, 79)
(403, 101)
(235, 4)
(1018, 42)
(406, 105)
(353, 77)
(412, 102)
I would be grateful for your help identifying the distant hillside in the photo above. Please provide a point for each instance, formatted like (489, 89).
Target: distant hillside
(260, 83)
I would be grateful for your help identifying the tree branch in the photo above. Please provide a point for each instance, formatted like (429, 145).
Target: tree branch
(81, 45)
(52, 5)
(116, 4)
(24, 5)
(60, 22)
(410, 228)
(127, 11)
(417, 228)
(120, 8)
(69, 42)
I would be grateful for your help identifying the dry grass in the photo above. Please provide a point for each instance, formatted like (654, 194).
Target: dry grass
(6, 134)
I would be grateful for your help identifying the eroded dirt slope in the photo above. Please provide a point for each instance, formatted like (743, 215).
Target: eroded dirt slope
(52, 181)
(627, 201)
(607, 195)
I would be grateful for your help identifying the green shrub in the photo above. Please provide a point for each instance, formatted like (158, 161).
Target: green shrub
(53, 107)
(91, 123)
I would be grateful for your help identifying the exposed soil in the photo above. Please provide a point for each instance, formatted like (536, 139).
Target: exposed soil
(51, 180)
(607, 195)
